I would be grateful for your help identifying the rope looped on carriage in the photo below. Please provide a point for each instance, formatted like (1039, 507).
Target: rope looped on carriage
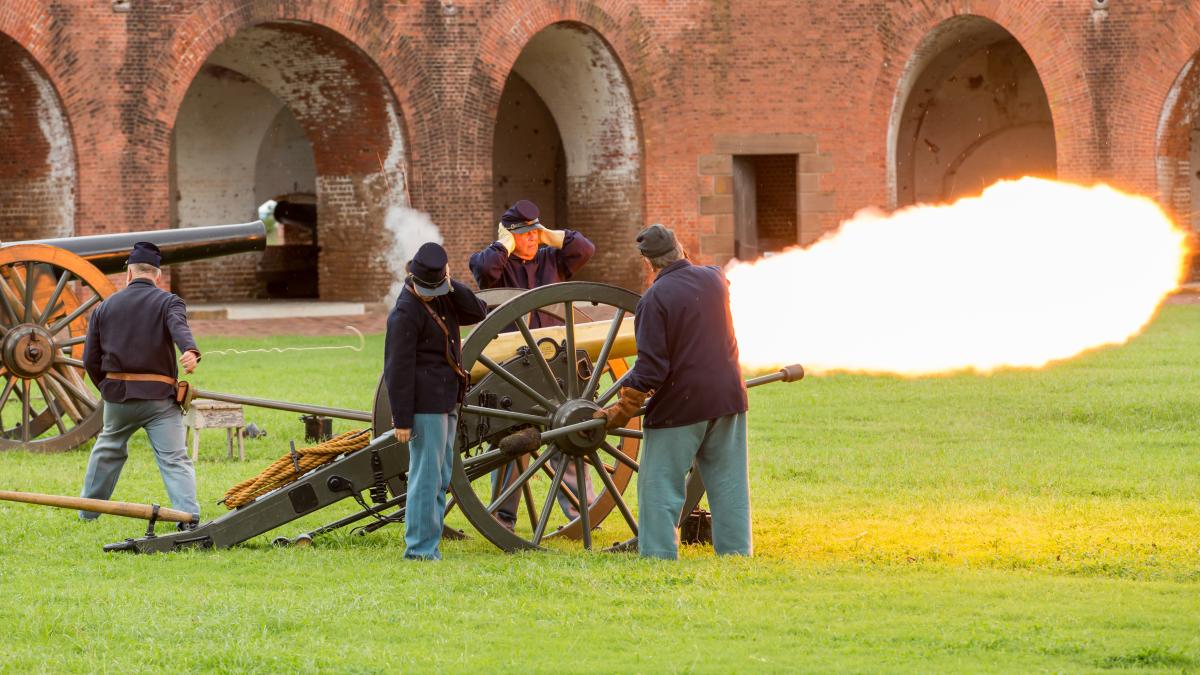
(291, 466)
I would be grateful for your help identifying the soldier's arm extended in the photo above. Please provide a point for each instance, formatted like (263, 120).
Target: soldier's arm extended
(470, 309)
(91, 349)
(650, 370)
(574, 253)
(181, 333)
(400, 364)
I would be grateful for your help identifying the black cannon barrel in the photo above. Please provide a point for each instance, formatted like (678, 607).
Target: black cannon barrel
(110, 251)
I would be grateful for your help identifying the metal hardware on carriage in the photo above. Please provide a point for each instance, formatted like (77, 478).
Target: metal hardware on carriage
(378, 485)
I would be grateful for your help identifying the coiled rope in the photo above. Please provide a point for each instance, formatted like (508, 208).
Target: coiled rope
(291, 466)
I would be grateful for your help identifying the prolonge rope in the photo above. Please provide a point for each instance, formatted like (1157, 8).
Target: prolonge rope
(283, 470)
(362, 342)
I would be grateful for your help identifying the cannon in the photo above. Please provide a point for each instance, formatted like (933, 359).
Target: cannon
(539, 387)
(48, 288)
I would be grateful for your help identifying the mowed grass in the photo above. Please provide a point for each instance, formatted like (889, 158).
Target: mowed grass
(1023, 521)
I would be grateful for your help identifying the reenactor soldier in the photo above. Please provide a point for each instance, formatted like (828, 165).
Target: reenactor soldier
(422, 369)
(527, 255)
(687, 365)
(129, 354)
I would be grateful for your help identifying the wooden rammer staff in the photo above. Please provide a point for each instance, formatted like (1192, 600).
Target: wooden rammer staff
(127, 509)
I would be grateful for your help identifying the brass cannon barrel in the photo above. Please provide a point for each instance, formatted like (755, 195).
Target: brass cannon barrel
(108, 252)
(588, 336)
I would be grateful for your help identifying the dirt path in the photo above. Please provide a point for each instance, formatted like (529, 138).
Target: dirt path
(374, 322)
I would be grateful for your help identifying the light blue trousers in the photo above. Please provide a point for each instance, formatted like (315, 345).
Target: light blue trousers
(718, 448)
(163, 422)
(430, 464)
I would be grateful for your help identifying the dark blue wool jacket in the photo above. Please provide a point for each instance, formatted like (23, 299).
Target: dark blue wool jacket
(493, 267)
(133, 332)
(415, 371)
(687, 352)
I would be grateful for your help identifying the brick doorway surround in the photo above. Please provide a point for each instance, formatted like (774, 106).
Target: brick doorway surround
(716, 195)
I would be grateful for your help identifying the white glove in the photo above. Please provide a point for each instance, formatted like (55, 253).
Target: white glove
(505, 238)
(553, 238)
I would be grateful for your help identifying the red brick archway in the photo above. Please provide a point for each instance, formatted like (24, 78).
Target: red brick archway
(969, 109)
(601, 130)
(32, 27)
(1057, 60)
(350, 120)
(571, 71)
(357, 119)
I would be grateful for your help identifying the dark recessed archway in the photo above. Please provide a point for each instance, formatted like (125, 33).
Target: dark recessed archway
(970, 110)
(37, 158)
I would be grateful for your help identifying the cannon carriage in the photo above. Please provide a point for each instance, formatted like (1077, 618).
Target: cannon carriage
(530, 404)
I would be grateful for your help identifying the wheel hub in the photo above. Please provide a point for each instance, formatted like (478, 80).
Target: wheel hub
(27, 351)
(577, 443)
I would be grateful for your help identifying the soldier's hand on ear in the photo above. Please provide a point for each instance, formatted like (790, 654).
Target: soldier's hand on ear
(553, 238)
(505, 238)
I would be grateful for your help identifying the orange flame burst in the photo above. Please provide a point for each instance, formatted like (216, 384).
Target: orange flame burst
(1029, 272)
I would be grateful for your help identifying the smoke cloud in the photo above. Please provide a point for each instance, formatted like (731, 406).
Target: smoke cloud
(1030, 272)
(410, 230)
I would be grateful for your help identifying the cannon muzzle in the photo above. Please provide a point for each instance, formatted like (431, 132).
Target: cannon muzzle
(792, 373)
(108, 252)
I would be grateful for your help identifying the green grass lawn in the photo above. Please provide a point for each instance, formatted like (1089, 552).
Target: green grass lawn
(1023, 521)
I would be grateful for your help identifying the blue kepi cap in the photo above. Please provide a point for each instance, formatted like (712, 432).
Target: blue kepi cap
(428, 271)
(145, 253)
(521, 217)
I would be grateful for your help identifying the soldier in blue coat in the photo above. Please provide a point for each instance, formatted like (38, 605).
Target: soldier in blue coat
(527, 255)
(422, 370)
(688, 365)
(129, 354)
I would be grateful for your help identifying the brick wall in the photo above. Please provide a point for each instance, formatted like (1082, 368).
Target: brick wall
(416, 86)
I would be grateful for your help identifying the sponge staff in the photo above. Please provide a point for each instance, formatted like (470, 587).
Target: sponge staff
(127, 509)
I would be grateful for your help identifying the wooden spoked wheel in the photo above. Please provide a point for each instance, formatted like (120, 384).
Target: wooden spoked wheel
(46, 297)
(531, 383)
(482, 467)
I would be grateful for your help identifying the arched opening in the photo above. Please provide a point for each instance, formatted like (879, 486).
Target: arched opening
(37, 158)
(295, 114)
(1177, 153)
(566, 137)
(970, 110)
